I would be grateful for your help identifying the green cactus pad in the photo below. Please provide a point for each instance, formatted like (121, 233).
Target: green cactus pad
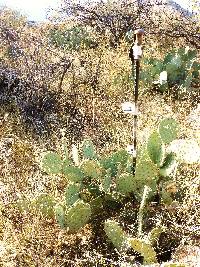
(144, 249)
(146, 171)
(168, 130)
(156, 148)
(107, 181)
(96, 205)
(169, 165)
(155, 233)
(91, 168)
(73, 174)
(88, 149)
(112, 162)
(115, 234)
(67, 162)
(166, 197)
(45, 204)
(125, 183)
(52, 163)
(60, 215)
(72, 194)
(77, 216)
(146, 174)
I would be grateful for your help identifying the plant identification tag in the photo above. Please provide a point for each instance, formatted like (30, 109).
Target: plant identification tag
(137, 51)
(128, 107)
(130, 149)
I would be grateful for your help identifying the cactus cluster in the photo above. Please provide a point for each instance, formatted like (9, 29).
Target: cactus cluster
(178, 67)
(93, 182)
(89, 179)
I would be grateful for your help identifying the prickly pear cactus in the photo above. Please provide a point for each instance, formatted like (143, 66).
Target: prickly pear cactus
(51, 163)
(60, 214)
(144, 249)
(168, 130)
(115, 234)
(166, 197)
(77, 216)
(112, 162)
(88, 149)
(72, 194)
(146, 173)
(125, 183)
(155, 233)
(45, 205)
(156, 148)
(73, 173)
(106, 182)
(169, 165)
(91, 168)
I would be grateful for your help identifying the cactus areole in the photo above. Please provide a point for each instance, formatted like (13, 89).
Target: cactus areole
(135, 55)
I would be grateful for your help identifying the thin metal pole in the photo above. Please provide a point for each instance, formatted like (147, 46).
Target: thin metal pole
(137, 69)
(135, 55)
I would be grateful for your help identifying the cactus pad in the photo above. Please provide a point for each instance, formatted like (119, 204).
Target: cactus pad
(73, 173)
(72, 194)
(169, 165)
(45, 204)
(112, 162)
(91, 168)
(125, 183)
(146, 174)
(60, 214)
(78, 215)
(146, 171)
(155, 233)
(168, 130)
(52, 163)
(144, 249)
(156, 148)
(115, 234)
(107, 181)
(88, 149)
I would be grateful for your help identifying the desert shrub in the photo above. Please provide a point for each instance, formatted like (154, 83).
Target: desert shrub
(74, 38)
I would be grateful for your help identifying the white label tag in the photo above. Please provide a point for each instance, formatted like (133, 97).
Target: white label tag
(130, 149)
(137, 51)
(128, 107)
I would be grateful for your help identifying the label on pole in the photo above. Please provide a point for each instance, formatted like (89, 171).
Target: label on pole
(128, 107)
(163, 77)
(137, 51)
(130, 149)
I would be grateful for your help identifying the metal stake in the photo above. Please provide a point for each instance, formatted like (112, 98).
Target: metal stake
(135, 56)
